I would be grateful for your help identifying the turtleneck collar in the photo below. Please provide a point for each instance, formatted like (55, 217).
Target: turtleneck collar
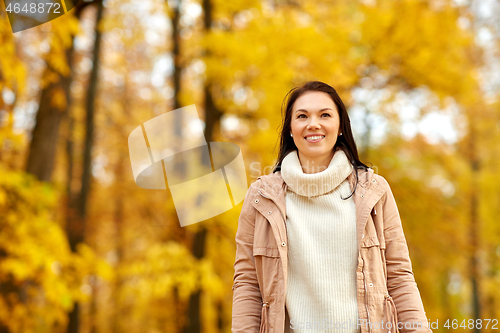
(315, 184)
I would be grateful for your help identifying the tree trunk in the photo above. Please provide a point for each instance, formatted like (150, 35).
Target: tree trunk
(474, 247)
(178, 130)
(45, 135)
(212, 120)
(76, 226)
(474, 225)
(119, 217)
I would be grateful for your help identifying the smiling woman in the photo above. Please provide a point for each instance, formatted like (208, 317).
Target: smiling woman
(312, 246)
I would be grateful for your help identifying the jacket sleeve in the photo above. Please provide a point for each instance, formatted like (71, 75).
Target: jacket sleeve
(400, 279)
(247, 299)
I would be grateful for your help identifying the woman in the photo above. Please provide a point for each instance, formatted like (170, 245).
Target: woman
(320, 247)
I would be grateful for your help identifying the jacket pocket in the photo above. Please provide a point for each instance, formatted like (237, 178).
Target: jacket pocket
(272, 252)
(373, 263)
(369, 241)
(268, 269)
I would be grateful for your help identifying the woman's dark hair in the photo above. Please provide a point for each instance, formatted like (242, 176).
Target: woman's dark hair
(344, 141)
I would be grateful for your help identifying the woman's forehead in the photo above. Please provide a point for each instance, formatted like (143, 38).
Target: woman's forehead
(314, 101)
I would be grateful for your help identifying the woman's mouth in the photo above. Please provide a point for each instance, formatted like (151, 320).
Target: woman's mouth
(315, 138)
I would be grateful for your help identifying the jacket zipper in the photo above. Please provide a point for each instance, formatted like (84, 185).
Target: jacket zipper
(366, 297)
(265, 305)
(281, 238)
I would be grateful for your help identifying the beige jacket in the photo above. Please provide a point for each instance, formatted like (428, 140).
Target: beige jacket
(386, 287)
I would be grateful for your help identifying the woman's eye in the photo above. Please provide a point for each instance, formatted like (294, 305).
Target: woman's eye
(324, 114)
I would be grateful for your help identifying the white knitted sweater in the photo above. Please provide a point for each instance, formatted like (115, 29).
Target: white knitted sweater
(322, 248)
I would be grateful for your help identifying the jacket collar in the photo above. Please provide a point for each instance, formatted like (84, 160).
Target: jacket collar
(368, 192)
(274, 187)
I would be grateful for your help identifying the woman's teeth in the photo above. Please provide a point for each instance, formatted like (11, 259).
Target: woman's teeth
(313, 138)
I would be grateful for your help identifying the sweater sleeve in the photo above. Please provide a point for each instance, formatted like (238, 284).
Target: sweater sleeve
(247, 299)
(401, 283)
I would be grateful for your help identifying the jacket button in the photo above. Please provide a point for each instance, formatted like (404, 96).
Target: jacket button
(362, 196)
(256, 200)
(374, 181)
(269, 212)
(283, 244)
(370, 284)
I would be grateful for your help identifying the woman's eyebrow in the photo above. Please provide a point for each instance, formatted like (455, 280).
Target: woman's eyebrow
(324, 109)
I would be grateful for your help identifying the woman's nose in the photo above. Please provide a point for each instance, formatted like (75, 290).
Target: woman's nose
(313, 123)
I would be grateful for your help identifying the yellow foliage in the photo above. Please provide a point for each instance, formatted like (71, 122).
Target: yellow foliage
(12, 70)
(63, 29)
(35, 256)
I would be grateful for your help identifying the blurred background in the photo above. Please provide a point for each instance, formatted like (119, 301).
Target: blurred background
(84, 249)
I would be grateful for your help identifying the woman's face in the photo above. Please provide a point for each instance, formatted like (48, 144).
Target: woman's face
(315, 125)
